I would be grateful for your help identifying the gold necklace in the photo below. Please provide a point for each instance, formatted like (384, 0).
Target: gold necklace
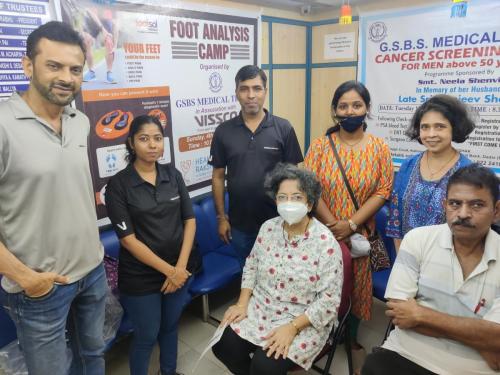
(351, 144)
(440, 169)
(296, 234)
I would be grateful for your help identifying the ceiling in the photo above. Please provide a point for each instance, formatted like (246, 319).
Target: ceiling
(304, 6)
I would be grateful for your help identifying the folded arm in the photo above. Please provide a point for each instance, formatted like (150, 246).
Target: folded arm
(479, 334)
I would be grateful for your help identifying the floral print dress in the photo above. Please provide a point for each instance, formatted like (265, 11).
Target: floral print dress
(416, 202)
(289, 278)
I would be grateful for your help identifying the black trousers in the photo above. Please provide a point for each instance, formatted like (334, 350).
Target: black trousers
(387, 362)
(234, 352)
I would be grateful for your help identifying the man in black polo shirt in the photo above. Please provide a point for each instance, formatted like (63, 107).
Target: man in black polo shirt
(249, 145)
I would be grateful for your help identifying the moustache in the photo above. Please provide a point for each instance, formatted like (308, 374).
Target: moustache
(463, 222)
(64, 85)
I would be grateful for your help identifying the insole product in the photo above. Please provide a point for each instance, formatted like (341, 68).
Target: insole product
(114, 124)
(107, 120)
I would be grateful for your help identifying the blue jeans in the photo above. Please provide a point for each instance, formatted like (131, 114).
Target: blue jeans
(242, 243)
(41, 324)
(155, 318)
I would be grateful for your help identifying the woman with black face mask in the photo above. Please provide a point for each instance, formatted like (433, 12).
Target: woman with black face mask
(367, 163)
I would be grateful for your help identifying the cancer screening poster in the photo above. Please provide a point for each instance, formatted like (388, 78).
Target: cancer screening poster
(410, 55)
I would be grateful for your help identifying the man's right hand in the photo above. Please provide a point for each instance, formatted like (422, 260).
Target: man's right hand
(224, 229)
(38, 284)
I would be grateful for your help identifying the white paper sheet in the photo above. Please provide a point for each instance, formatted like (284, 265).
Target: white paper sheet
(214, 340)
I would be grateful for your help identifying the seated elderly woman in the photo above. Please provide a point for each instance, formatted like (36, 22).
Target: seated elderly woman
(291, 285)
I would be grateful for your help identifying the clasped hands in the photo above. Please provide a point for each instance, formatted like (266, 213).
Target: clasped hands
(278, 341)
(175, 280)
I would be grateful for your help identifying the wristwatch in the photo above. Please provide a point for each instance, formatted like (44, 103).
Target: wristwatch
(352, 225)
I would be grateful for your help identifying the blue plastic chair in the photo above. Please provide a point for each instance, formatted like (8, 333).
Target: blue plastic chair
(7, 327)
(381, 278)
(111, 243)
(220, 265)
(209, 233)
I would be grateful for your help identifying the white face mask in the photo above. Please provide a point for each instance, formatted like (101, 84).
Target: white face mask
(292, 212)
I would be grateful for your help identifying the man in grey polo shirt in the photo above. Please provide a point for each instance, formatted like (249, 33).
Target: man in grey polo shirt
(444, 289)
(50, 254)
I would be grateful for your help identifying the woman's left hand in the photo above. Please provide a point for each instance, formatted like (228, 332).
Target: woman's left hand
(171, 284)
(341, 230)
(279, 340)
(180, 277)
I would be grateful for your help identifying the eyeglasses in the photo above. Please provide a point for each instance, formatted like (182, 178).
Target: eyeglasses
(293, 198)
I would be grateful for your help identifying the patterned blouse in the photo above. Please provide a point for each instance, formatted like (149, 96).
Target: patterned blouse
(416, 202)
(289, 278)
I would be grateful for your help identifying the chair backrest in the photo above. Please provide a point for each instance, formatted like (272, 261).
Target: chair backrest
(207, 228)
(111, 243)
(381, 219)
(7, 327)
(208, 207)
(348, 280)
(204, 238)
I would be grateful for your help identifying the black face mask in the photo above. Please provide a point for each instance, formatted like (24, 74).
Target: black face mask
(351, 124)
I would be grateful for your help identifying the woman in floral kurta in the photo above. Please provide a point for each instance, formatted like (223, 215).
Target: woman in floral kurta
(290, 275)
(367, 162)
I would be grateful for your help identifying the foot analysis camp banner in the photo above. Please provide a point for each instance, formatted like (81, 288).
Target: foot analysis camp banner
(408, 56)
(177, 64)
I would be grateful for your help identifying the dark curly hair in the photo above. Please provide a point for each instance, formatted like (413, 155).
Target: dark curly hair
(461, 118)
(307, 182)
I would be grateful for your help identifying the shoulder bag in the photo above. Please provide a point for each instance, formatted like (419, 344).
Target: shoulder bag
(379, 258)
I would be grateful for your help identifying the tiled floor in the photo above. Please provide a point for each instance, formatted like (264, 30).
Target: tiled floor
(194, 335)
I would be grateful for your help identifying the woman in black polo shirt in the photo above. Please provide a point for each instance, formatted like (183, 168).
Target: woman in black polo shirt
(151, 212)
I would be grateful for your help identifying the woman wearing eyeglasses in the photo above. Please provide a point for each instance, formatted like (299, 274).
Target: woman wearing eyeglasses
(291, 285)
